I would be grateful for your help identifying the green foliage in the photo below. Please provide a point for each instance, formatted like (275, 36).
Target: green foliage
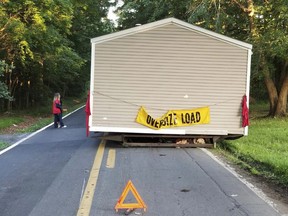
(42, 122)
(264, 151)
(271, 20)
(3, 145)
(89, 21)
(220, 16)
(7, 121)
(134, 12)
(4, 93)
(49, 43)
(41, 116)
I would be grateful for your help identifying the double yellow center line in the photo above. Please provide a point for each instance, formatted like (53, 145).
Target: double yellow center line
(86, 202)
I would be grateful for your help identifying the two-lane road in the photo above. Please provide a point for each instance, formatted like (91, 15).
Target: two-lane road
(46, 175)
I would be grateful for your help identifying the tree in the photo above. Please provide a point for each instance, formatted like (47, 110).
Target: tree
(89, 21)
(268, 23)
(32, 34)
(134, 12)
(4, 93)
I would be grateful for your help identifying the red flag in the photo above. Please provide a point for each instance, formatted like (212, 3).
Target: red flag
(88, 113)
(245, 112)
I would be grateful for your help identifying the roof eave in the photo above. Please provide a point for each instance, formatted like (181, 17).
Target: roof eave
(166, 21)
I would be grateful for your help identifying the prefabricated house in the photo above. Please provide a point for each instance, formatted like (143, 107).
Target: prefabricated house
(169, 79)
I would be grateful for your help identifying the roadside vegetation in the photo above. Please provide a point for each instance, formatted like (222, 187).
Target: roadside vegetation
(264, 151)
(8, 121)
(17, 122)
(3, 145)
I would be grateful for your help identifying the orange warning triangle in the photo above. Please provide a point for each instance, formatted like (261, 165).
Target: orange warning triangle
(140, 203)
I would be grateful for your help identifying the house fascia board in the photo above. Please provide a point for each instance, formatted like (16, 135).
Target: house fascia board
(167, 21)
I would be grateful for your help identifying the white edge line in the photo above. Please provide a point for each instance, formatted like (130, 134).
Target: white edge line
(256, 190)
(34, 133)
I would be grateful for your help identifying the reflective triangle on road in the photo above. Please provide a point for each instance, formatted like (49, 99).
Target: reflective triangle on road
(139, 204)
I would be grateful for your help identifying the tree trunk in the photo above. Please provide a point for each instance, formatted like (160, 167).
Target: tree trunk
(270, 85)
(282, 99)
(283, 73)
(273, 96)
(250, 10)
(27, 99)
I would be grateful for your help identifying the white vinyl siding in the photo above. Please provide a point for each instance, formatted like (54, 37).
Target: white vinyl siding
(157, 68)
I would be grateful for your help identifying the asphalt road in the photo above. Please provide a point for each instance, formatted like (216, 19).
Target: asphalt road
(46, 175)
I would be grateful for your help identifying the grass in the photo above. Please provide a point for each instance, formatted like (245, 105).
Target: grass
(71, 104)
(40, 123)
(42, 116)
(7, 121)
(3, 145)
(264, 151)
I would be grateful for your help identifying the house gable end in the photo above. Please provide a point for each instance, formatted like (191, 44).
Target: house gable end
(164, 22)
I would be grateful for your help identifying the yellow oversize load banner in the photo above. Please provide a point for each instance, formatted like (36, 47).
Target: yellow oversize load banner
(174, 118)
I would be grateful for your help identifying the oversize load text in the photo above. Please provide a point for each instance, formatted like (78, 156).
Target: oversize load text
(174, 118)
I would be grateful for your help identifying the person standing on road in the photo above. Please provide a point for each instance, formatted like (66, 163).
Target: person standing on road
(57, 111)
